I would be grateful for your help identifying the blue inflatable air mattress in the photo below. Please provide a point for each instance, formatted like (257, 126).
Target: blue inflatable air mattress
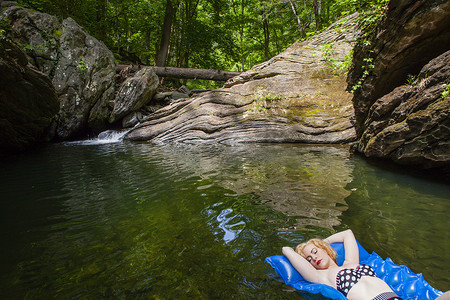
(400, 278)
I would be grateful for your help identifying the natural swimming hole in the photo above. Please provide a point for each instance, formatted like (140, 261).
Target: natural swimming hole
(139, 221)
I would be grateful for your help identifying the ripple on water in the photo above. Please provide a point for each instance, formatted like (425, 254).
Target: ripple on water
(137, 220)
(226, 224)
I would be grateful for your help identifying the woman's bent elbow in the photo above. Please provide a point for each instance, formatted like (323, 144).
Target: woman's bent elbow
(286, 250)
(349, 232)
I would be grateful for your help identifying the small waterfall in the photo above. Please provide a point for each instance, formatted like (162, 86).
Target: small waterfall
(112, 136)
(105, 137)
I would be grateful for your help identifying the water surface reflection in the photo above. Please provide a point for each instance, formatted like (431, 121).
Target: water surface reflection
(305, 182)
(135, 220)
(402, 217)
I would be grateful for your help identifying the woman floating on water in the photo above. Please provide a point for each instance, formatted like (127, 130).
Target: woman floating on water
(316, 261)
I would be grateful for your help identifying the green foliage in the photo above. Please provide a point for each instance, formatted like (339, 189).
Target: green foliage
(57, 34)
(5, 28)
(411, 81)
(82, 65)
(334, 65)
(367, 66)
(370, 17)
(265, 102)
(416, 81)
(446, 91)
(36, 48)
(345, 66)
(211, 34)
(203, 84)
(327, 52)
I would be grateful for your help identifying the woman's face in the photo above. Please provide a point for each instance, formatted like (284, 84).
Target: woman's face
(318, 257)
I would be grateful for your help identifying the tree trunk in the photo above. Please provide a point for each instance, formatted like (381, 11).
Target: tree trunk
(241, 33)
(116, 25)
(317, 7)
(190, 16)
(266, 38)
(294, 10)
(169, 15)
(187, 73)
(241, 30)
(101, 19)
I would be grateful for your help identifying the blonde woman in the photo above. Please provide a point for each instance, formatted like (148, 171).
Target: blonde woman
(316, 261)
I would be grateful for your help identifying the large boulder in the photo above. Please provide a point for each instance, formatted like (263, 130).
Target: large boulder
(297, 96)
(28, 101)
(134, 93)
(37, 33)
(400, 110)
(81, 68)
(84, 80)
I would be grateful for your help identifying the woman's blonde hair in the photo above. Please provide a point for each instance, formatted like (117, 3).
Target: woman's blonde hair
(320, 244)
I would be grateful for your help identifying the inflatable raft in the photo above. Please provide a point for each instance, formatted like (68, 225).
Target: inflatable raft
(400, 278)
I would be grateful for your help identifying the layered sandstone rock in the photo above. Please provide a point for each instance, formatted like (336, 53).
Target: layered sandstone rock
(297, 96)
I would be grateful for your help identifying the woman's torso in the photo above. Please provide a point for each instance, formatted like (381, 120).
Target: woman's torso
(367, 287)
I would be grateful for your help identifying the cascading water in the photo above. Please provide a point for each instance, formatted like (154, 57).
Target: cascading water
(105, 137)
(112, 136)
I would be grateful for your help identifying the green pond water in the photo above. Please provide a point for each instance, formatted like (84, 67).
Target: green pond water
(143, 221)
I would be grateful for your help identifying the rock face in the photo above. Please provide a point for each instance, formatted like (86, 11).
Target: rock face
(84, 80)
(134, 93)
(28, 101)
(37, 33)
(403, 118)
(294, 97)
(81, 68)
(411, 125)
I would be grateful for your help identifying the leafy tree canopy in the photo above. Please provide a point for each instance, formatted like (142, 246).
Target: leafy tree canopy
(212, 34)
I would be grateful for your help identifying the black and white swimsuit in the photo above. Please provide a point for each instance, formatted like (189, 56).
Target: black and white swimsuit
(347, 278)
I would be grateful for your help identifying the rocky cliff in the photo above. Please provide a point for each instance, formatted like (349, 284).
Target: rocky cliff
(402, 106)
(297, 96)
(81, 69)
(28, 101)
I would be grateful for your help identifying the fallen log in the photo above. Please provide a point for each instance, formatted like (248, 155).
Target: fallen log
(185, 73)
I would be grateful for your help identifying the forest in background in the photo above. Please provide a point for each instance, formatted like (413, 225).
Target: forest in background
(228, 35)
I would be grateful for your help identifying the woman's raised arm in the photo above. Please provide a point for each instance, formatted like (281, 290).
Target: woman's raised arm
(307, 271)
(350, 245)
